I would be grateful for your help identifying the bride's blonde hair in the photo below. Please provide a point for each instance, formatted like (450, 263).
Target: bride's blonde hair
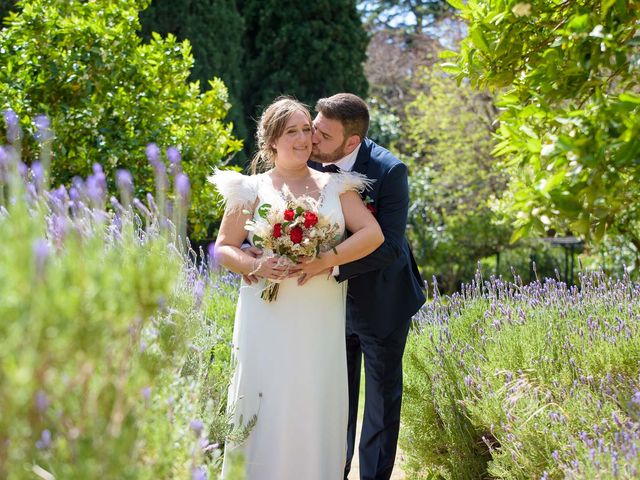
(271, 126)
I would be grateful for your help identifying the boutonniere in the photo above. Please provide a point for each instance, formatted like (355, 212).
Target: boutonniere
(368, 202)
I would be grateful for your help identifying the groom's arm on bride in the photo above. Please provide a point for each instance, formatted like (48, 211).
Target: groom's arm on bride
(229, 254)
(393, 209)
(366, 236)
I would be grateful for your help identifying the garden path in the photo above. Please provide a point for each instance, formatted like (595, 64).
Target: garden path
(398, 473)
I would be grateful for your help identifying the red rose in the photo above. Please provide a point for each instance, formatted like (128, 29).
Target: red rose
(289, 215)
(372, 209)
(277, 230)
(310, 219)
(296, 234)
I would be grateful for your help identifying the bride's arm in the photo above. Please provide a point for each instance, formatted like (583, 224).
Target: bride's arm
(229, 255)
(365, 238)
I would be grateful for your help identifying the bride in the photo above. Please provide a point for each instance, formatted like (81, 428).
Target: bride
(290, 377)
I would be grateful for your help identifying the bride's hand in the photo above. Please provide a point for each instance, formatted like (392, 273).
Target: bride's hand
(311, 267)
(275, 268)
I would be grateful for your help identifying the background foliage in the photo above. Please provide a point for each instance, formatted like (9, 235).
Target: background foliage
(214, 29)
(308, 50)
(571, 109)
(108, 94)
(448, 132)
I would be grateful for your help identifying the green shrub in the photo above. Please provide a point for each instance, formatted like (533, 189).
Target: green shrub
(115, 357)
(108, 95)
(526, 382)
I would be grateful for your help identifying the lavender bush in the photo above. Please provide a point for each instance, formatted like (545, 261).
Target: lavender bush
(514, 381)
(115, 356)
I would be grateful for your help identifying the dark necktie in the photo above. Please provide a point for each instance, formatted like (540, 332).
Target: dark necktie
(331, 168)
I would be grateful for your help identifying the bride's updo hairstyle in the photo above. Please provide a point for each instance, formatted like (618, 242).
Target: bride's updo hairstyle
(271, 126)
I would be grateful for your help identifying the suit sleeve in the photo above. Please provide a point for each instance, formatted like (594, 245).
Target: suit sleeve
(393, 208)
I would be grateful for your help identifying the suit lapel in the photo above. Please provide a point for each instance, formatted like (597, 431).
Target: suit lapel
(363, 157)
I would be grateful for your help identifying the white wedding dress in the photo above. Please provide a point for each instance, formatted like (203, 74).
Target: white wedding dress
(290, 357)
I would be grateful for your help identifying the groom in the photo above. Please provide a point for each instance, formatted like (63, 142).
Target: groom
(385, 288)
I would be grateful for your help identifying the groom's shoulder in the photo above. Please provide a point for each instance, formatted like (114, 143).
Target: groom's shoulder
(381, 155)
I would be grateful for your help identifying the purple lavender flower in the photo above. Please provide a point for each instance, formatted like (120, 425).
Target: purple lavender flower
(40, 254)
(153, 154)
(146, 393)
(4, 157)
(183, 187)
(96, 185)
(74, 195)
(38, 173)
(173, 154)
(199, 473)
(42, 401)
(43, 128)
(198, 292)
(197, 426)
(23, 170)
(13, 125)
(45, 440)
(124, 181)
(211, 254)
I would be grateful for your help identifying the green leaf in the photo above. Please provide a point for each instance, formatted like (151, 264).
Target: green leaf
(264, 209)
(519, 233)
(258, 240)
(448, 54)
(605, 5)
(457, 4)
(451, 68)
(629, 97)
(477, 37)
(579, 23)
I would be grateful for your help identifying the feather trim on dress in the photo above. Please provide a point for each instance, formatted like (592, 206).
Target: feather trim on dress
(238, 191)
(348, 181)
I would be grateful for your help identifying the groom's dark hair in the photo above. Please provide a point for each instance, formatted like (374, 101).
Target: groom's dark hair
(348, 109)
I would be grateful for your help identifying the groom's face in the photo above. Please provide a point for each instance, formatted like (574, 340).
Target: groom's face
(328, 140)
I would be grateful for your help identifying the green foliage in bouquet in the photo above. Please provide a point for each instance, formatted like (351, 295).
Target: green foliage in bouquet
(570, 76)
(541, 381)
(108, 94)
(115, 357)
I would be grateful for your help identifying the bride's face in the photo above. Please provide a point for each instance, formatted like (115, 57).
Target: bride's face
(293, 147)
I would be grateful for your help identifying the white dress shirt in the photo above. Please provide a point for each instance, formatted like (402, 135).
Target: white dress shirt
(346, 163)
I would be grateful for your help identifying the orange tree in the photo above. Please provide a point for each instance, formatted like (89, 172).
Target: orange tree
(570, 121)
(108, 94)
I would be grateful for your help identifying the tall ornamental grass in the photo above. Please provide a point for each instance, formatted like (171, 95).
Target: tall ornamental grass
(114, 358)
(513, 381)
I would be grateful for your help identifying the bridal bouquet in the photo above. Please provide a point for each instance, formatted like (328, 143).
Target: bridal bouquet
(293, 231)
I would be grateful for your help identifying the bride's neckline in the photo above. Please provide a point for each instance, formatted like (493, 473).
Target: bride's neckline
(284, 191)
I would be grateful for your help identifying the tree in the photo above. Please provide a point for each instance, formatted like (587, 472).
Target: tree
(5, 7)
(405, 36)
(308, 50)
(449, 131)
(570, 122)
(414, 16)
(214, 29)
(108, 95)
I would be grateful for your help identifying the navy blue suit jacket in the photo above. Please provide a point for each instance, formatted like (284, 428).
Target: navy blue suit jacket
(385, 287)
